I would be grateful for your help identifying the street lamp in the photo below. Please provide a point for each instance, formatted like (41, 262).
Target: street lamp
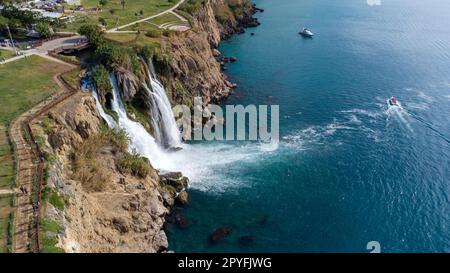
(12, 41)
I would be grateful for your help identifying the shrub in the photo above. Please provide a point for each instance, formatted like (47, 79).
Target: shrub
(134, 164)
(100, 77)
(56, 200)
(92, 174)
(93, 33)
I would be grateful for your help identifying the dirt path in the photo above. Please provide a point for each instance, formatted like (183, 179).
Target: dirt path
(30, 169)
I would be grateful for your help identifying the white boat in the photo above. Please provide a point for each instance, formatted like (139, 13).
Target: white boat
(393, 102)
(306, 33)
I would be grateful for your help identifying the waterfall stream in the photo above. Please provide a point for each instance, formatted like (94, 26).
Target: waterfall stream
(163, 121)
(191, 160)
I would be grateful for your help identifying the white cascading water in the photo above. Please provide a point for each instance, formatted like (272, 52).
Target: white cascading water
(163, 121)
(140, 140)
(203, 163)
(108, 119)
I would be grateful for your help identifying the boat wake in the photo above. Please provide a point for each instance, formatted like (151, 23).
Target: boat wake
(397, 112)
(404, 116)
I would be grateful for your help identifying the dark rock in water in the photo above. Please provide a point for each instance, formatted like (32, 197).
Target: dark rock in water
(216, 52)
(175, 149)
(252, 33)
(246, 240)
(182, 221)
(173, 175)
(175, 180)
(233, 59)
(258, 9)
(168, 195)
(219, 234)
(183, 198)
(263, 220)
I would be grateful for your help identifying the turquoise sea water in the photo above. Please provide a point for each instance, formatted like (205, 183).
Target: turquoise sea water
(347, 171)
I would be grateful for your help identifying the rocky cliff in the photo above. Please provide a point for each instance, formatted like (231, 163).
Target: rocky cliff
(92, 204)
(194, 61)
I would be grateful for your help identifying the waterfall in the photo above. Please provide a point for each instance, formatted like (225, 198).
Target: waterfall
(140, 140)
(163, 121)
(108, 119)
(190, 160)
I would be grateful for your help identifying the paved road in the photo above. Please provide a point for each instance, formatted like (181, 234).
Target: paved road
(46, 47)
(148, 18)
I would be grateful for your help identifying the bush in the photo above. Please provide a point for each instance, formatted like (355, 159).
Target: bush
(93, 174)
(100, 77)
(44, 29)
(134, 164)
(112, 55)
(93, 33)
(56, 200)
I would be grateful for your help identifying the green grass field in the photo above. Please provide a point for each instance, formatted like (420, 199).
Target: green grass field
(6, 54)
(23, 84)
(115, 15)
(5, 210)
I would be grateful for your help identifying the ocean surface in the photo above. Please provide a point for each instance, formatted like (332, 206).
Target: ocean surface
(348, 170)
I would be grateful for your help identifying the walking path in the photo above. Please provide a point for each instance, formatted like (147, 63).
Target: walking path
(30, 168)
(7, 192)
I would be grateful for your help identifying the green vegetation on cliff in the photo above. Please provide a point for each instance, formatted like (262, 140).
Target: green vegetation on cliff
(90, 172)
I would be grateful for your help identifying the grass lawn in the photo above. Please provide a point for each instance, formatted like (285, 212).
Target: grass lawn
(23, 84)
(5, 210)
(153, 24)
(115, 15)
(73, 78)
(165, 18)
(6, 54)
(130, 39)
(6, 161)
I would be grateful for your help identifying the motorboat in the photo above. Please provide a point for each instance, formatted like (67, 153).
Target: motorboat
(393, 101)
(306, 33)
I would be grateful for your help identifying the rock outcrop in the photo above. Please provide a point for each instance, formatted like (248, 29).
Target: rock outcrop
(127, 214)
(194, 69)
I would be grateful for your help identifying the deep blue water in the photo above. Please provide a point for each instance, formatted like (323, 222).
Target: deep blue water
(347, 171)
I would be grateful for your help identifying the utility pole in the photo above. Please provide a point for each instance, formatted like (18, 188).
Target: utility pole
(12, 41)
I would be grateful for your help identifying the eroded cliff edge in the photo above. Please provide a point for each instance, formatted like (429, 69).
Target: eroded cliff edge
(94, 205)
(193, 68)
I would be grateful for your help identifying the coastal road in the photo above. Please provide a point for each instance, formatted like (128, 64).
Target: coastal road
(148, 18)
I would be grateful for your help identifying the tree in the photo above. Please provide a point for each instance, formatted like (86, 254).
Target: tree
(44, 29)
(100, 77)
(103, 2)
(93, 33)
(123, 4)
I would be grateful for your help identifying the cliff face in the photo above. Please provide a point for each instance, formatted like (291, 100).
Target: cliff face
(110, 211)
(104, 209)
(194, 69)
